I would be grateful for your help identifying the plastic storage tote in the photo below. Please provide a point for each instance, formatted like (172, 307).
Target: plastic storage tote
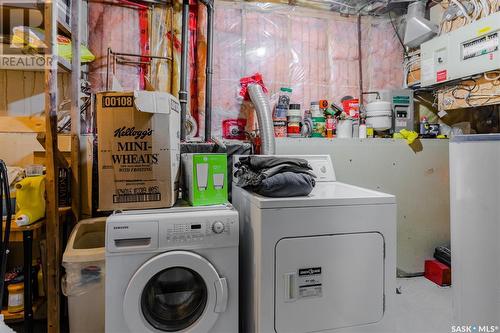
(83, 283)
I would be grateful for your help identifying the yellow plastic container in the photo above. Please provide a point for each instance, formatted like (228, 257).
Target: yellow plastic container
(30, 200)
(16, 297)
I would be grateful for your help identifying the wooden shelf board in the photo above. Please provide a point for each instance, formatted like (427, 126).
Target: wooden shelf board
(16, 233)
(64, 210)
(13, 124)
(64, 64)
(64, 27)
(19, 316)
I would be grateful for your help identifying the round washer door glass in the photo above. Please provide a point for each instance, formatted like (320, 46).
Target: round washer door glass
(173, 299)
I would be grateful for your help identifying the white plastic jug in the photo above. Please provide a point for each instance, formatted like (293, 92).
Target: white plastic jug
(3, 326)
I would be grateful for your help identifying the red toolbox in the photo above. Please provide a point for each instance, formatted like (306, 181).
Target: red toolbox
(438, 272)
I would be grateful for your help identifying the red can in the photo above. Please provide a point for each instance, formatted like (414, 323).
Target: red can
(351, 108)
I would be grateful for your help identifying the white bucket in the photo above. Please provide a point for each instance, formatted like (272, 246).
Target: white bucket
(344, 128)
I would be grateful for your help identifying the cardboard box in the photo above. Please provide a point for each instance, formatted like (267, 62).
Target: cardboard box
(138, 149)
(205, 179)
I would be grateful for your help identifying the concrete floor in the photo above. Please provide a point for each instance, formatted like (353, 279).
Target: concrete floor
(423, 307)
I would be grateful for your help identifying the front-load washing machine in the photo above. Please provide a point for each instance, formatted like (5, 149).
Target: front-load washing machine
(172, 270)
(321, 263)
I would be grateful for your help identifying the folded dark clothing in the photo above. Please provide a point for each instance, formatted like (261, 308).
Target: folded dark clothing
(286, 184)
(286, 168)
(249, 177)
(256, 162)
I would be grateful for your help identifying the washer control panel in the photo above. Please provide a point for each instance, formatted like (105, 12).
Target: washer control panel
(197, 231)
(204, 228)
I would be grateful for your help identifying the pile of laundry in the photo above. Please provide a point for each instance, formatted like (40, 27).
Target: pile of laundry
(275, 176)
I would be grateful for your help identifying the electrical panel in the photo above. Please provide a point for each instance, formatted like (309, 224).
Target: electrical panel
(470, 50)
(402, 108)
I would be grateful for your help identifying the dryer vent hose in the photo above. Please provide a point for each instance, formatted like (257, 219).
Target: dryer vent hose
(264, 118)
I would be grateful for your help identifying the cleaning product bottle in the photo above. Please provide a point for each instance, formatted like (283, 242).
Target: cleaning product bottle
(318, 120)
(362, 129)
(329, 126)
(30, 200)
(424, 125)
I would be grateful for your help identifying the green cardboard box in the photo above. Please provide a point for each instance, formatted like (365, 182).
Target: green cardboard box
(205, 178)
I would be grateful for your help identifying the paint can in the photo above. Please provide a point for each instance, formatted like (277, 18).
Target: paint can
(351, 108)
(16, 297)
(294, 117)
(279, 127)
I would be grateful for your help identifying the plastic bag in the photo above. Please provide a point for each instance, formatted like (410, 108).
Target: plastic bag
(81, 277)
(35, 38)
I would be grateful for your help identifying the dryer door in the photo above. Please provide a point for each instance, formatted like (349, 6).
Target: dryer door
(175, 291)
(329, 282)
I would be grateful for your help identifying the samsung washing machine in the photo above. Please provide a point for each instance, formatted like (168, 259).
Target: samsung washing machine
(325, 262)
(172, 270)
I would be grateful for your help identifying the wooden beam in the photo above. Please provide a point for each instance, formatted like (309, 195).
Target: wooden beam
(482, 92)
(75, 107)
(59, 157)
(52, 215)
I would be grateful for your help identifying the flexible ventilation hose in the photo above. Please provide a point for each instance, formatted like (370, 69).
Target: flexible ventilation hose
(263, 109)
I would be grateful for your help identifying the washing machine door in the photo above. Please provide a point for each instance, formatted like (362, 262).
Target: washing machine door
(176, 291)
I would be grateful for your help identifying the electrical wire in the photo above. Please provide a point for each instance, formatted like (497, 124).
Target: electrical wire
(488, 78)
(469, 93)
(476, 13)
(486, 7)
(397, 34)
(463, 9)
(408, 65)
(4, 237)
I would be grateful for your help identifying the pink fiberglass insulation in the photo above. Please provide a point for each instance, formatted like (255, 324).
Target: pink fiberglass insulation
(116, 27)
(313, 52)
(382, 55)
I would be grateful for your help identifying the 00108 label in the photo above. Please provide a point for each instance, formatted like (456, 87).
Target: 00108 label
(118, 101)
(310, 282)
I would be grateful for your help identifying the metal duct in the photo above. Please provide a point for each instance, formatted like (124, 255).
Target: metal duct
(418, 28)
(264, 113)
